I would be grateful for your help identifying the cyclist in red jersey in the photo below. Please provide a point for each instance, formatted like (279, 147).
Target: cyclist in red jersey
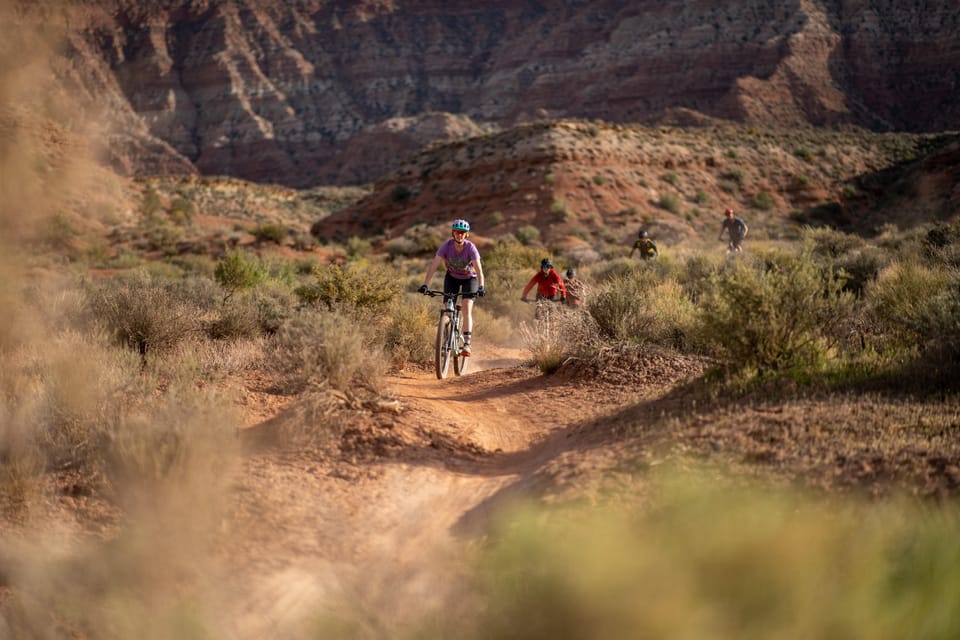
(549, 283)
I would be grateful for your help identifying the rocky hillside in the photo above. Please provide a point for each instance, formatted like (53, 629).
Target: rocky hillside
(583, 181)
(339, 91)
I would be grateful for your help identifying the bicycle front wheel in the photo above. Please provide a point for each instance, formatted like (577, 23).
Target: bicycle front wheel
(442, 348)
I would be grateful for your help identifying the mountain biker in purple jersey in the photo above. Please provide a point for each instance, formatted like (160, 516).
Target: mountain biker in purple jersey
(464, 273)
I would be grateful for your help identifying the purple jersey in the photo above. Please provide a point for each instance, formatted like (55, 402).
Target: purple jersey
(460, 264)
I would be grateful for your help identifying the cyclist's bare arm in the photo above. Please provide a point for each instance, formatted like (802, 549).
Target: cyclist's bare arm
(479, 267)
(432, 269)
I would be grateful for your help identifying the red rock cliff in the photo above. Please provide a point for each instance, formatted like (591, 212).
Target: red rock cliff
(340, 91)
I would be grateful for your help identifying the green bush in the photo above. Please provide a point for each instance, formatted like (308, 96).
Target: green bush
(777, 313)
(763, 201)
(902, 300)
(270, 232)
(354, 286)
(409, 333)
(238, 270)
(669, 202)
(722, 563)
(527, 234)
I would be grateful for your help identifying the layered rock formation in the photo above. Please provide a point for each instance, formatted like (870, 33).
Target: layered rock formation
(340, 91)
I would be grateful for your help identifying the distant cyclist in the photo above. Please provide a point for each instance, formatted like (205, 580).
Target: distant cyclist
(645, 246)
(548, 282)
(736, 230)
(576, 289)
(464, 273)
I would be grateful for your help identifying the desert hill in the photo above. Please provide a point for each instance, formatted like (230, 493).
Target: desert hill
(340, 92)
(596, 181)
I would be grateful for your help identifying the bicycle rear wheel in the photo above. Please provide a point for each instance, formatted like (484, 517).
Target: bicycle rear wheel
(442, 346)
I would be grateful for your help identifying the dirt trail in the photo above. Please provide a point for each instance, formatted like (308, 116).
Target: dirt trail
(382, 534)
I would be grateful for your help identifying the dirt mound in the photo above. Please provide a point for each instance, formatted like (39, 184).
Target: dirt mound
(635, 367)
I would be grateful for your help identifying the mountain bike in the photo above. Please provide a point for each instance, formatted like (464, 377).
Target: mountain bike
(543, 314)
(449, 344)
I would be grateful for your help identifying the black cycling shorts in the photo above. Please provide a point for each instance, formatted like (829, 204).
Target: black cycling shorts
(458, 285)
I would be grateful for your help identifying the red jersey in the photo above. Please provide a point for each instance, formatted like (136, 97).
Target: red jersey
(547, 284)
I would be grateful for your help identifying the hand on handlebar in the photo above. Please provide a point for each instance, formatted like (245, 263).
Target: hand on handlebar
(423, 289)
(480, 292)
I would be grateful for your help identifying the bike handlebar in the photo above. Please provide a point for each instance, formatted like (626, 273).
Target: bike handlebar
(432, 293)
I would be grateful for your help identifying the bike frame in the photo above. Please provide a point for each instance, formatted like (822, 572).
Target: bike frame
(542, 314)
(449, 335)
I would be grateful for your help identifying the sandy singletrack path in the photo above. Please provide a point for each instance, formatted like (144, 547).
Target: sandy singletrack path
(381, 533)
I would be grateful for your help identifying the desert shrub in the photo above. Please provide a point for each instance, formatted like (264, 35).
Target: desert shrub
(527, 234)
(59, 394)
(162, 236)
(150, 203)
(238, 270)
(643, 310)
(368, 288)
(270, 232)
(237, 318)
(901, 302)
(581, 255)
(183, 438)
(735, 175)
(321, 350)
(506, 255)
(862, 267)
(358, 248)
(763, 201)
(496, 217)
(776, 312)
(751, 564)
(942, 244)
(144, 313)
(669, 202)
(830, 243)
(409, 333)
(616, 306)
(181, 210)
(696, 273)
(938, 327)
(402, 247)
(559, 209)
(572, 334)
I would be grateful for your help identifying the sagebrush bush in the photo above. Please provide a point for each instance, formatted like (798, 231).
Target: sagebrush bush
(270, 232)
(776, 312)
(900, 301)
(409, 333)
(644, 310)
(321, 350)
(618, 306)
(942, 244)
(828, 242)
(144, 313)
